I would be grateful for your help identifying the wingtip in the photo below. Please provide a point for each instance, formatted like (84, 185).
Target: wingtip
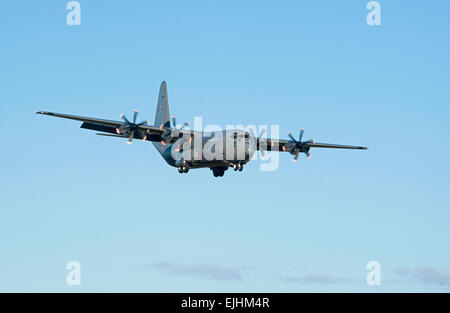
(43, 113)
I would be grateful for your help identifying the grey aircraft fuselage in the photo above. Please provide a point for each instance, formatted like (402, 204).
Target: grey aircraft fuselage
(215, 149)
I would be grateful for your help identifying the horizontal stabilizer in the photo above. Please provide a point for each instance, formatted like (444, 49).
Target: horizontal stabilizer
(111, 135)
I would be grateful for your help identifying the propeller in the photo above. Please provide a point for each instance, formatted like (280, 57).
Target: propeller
(296, 146)
(128, 129)
(175, 132)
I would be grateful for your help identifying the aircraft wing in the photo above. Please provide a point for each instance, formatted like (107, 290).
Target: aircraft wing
(267, 144)
(152, 133)
(333, 146)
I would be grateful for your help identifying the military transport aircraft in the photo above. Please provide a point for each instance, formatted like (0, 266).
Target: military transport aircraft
(185, 149)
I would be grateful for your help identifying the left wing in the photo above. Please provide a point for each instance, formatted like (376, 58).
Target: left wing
(295, 147)
(267, 144)
(333, 146)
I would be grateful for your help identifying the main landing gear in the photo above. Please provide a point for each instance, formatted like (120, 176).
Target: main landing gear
(218, 171)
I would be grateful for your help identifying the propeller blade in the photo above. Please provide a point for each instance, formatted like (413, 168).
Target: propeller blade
(184, 125)
(142, 123)
(174, 121)
(130, 138)
(296, 156)
(135, 113)
(292, 137)
(263, 131)
(302, 131)
(122, 116)
(308, 154)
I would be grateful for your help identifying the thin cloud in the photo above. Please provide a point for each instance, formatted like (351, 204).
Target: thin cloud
(426, 274)
(204, 271)
(323, 279)
(432, 275)
(402, 272)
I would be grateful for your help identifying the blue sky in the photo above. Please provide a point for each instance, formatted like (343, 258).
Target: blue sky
(135, 224)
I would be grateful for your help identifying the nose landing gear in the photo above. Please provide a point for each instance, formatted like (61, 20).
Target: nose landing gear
(183, 168)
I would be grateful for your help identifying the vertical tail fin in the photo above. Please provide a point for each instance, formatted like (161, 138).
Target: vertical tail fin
(162, 117)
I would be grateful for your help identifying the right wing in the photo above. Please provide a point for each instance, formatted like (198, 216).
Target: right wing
(107, 126)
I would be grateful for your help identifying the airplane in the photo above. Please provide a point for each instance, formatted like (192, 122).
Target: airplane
(184, 149)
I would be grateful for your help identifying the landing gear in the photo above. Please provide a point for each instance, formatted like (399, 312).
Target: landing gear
(238, 166)
(183, 169)
(218, 171)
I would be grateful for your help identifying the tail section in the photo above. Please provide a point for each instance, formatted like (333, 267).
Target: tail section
(162, 117)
